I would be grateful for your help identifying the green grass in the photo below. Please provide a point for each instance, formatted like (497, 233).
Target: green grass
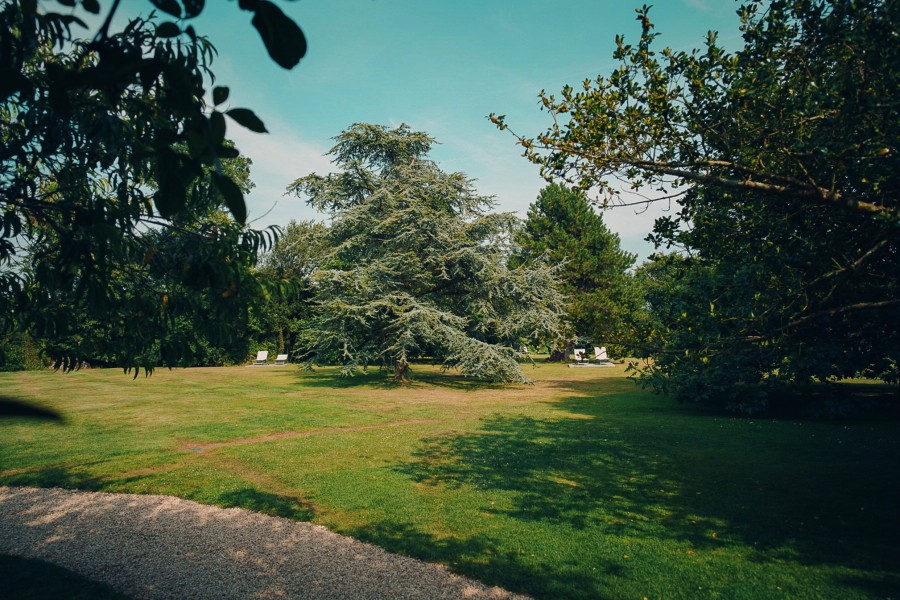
(580, 486)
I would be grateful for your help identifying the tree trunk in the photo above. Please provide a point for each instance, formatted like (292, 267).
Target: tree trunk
(401, 371)
(562, 354)
(558, 355)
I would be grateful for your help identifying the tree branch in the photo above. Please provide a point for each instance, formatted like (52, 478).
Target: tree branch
(828, 312)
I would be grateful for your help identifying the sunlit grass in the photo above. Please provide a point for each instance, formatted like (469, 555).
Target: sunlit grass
(580, 486)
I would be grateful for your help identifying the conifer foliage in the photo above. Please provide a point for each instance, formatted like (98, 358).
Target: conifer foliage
(563, 225)
(419, 265)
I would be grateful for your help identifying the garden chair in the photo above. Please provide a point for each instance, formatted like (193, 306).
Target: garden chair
(600, 354)
(580, 355)
(281, 359)
(262, 358)
(601, 358)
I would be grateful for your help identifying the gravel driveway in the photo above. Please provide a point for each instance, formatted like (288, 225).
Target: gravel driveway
(164, 547)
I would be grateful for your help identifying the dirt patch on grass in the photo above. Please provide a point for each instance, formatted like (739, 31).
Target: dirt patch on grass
(202, 447)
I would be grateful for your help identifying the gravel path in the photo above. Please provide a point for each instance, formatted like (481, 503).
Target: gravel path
(164, 547)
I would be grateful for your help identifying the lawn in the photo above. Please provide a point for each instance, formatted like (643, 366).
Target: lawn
(579, 486)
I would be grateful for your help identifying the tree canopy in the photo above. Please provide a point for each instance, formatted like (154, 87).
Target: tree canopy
(106, 138)
(563, 226)
(803, 111)
(297, 254)
(419, 265)
(783, 158)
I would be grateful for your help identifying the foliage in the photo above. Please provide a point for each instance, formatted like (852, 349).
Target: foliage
(19, 352)
(104, 139)
(579, 486)
(563, 227)
(295, 257)
(418, 266)
(181, 301)
(783, 156)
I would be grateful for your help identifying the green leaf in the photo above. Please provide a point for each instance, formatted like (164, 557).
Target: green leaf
(192, 8)
(220, 95)
(168, 30)
(216, 128)
(283, 38)
(227, 152)
(168, 6)
(12, 82)
(246, 117)
(234, 199)
(170, 197)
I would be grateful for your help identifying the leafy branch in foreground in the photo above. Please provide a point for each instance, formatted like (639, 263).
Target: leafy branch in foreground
(800, 112)
(104, 139)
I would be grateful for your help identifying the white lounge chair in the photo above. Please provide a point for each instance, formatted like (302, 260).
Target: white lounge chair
(580, 355)
(281, 359)
(601, 358)
(262, 358)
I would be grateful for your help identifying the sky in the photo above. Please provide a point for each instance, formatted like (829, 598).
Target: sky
(440, 66)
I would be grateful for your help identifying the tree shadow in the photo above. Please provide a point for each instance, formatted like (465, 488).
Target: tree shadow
(479, 558)
(375, 378)
(656, 475)
(274, 505)
(876, 586)
(41, 580)
(15, 408)
(54, 477)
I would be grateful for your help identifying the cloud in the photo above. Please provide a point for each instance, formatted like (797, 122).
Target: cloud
(278, 158)
(282, 156)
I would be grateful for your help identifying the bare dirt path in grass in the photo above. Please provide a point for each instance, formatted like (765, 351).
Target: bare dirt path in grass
(165, 547)
(284, 435)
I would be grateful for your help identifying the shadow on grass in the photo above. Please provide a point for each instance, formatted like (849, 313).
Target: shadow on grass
(54, 476)
(378, 379)
(876, 586)
(268, 504)
(13, 408)
(39, 580)
(806, 493)
(248, 498)
(479, 558)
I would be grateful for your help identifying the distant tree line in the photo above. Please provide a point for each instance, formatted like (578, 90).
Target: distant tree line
(123, 239)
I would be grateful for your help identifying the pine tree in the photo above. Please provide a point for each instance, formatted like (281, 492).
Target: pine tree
(563, 226)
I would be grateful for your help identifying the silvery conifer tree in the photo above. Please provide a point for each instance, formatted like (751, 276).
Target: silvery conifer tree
(419, 266)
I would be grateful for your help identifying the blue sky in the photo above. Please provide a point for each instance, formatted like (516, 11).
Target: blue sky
(440, 66)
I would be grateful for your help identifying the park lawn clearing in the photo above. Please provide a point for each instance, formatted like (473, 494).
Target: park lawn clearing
(579, 486)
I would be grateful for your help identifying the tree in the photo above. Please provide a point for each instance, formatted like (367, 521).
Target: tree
(295, 257)
(563, 226)
(164, 304)
(783, 158)
(106, 138)
(419, 265)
